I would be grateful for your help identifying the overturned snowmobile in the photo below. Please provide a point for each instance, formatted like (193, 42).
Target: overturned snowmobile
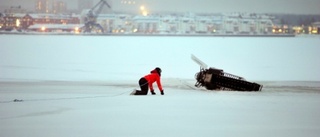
(215, 79)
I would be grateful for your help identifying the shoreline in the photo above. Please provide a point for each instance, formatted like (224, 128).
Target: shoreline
(152, 35)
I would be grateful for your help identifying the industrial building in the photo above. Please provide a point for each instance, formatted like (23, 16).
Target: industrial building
(100, 18)
(24, 21)
(49, 6)
(233, 24)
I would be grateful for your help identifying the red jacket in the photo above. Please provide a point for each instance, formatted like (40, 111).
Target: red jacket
(153, 77)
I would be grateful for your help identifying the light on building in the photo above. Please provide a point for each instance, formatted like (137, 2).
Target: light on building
(142, 8)
(76, 30)
(145, 13)
(43, 28)
(135, 30)
(18, 23)
(314, 30)
(115, 31)
(128, 2)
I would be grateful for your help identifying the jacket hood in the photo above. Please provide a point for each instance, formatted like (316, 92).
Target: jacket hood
(156, 70)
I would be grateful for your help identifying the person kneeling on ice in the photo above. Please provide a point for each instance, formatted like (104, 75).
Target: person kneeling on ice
(147, 81)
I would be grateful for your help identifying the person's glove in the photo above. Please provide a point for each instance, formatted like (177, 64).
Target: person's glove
(162, 93)
(152, 92)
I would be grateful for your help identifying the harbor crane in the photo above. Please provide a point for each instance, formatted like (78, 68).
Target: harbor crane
(90, 21)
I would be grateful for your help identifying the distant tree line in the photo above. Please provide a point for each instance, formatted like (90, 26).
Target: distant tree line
(296, 20)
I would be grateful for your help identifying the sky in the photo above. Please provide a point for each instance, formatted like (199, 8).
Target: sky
(203, 6)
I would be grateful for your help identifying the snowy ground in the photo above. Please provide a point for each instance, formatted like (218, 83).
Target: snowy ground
(79, 86)
(98, 109)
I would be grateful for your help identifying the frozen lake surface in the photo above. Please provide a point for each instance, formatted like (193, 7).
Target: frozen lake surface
(104, 58)
(79, 86)
(54, 108)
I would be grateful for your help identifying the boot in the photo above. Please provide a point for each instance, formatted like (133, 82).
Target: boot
(162, 93)
(133, 92)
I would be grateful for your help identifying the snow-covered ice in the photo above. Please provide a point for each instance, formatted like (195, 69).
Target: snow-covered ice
(80, 85)
(88, 58)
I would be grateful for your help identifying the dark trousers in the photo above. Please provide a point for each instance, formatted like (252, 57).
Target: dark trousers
(144, 85)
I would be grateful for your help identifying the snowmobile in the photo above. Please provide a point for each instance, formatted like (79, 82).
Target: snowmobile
(216, 79)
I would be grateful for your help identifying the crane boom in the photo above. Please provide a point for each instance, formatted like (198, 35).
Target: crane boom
(91, 19)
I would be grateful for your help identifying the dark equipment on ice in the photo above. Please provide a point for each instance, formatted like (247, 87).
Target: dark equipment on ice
(91, 19)
(215, 79)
